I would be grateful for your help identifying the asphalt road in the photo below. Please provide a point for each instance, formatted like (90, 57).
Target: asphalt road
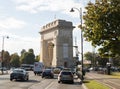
(36, 82)
(113, 83)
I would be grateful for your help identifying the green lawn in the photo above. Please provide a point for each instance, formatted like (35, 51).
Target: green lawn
(115, 74)
(92, 84)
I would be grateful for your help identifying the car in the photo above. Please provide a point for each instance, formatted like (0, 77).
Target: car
(66, 76)
(73, 70)
(47, 73)
(19, 74)
(38, 68)
(56, 70)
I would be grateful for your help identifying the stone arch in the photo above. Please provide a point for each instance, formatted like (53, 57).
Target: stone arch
(56, 44)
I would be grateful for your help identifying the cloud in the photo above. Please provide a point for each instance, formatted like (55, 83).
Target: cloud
(11, 23)
(35, 6)
(16, 43)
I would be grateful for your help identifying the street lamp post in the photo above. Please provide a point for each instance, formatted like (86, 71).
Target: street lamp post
(3, 37)
(80, 14)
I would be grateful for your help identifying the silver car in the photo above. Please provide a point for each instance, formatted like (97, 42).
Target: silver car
(19, 74)
(66, 76)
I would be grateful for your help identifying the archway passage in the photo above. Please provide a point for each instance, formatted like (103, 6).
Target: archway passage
(65, 64)
(50, 53)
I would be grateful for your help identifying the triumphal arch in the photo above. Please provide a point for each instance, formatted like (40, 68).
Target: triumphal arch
(57, 44)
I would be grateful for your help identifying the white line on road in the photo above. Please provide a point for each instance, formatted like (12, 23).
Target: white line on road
(48, 87)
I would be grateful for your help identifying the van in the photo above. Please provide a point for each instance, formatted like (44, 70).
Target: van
(38, 68)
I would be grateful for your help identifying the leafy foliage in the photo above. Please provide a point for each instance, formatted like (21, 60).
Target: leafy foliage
(31, 51)
(88, 56)
(15, 60)
(6, 58)
(102, 25)
(28, 57)
(37, 58)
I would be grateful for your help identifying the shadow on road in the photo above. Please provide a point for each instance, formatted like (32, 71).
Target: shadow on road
(29, 81)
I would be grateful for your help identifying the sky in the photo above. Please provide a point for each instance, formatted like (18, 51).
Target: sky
(22, 20)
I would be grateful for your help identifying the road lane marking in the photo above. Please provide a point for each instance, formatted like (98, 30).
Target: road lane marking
(48, 87)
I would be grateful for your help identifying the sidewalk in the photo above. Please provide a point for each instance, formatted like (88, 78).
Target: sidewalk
(4, 72)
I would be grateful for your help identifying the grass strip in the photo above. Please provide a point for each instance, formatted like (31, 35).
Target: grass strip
(92, 84)
(115, 74)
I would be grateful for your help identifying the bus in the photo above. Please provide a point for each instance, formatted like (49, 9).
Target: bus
(27, 67)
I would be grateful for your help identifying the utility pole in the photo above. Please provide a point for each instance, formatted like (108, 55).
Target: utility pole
(2, 65)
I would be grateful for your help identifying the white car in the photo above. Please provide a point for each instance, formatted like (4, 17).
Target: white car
(66, 76)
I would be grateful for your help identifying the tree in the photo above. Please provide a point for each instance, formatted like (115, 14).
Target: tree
(88, 56)
(23, 51)
(102, 26)
(6, 58)
(37, 58)
(93, 57)
(28, 57)
(15, 60)
(116, 61)
(31, 50)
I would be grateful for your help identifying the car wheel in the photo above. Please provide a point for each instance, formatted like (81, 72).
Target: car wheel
(27, 78)
(11, 79)
(58, 81)
(72, 82)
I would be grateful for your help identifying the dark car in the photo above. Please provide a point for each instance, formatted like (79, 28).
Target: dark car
(19, 74)
(66, 76)
(47, 73)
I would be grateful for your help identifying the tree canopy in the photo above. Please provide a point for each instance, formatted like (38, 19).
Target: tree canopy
(28, 57)
(15, 60)
(102, 26)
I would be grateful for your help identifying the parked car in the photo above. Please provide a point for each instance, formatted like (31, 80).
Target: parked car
(19, 74)
(66, 76)
(47, 73)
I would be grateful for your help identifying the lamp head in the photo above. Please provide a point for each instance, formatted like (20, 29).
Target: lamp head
(7, 37)
(72, 10)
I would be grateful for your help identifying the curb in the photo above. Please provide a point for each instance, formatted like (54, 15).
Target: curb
(84, 87)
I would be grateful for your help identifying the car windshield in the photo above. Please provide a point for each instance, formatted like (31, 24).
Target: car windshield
(66, 73)
(48, 70)
(18, 71)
